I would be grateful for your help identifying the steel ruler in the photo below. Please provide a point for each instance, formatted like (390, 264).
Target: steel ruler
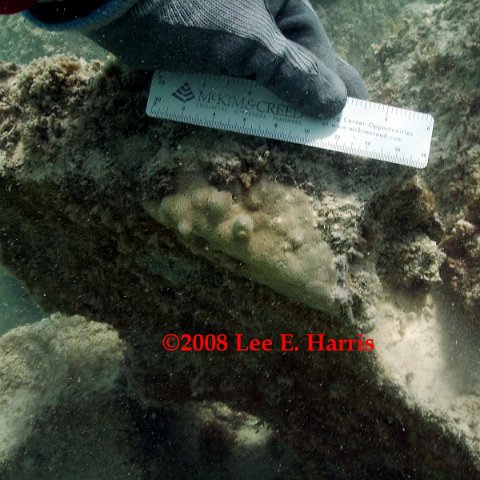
(363, 128)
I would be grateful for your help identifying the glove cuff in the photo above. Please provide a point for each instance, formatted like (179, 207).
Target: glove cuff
(99, 17)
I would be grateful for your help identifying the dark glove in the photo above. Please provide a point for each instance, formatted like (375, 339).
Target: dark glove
(280, 43)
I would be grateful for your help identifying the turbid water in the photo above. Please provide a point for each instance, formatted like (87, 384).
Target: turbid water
(122, 231)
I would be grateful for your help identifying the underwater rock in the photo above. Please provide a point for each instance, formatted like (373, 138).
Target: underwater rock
(55, 361)
(120, 217)
(413, 263)
(65, 413)
(367, 22)
(404, 221)
(430, 63)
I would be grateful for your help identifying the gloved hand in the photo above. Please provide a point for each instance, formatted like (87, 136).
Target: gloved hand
(280, 43)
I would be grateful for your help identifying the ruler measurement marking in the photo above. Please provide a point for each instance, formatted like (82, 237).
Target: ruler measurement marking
(364, 128)
(295, 139)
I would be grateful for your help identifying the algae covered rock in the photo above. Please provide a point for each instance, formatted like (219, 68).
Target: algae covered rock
(413, 263)
(430, 63)
(409, 254)
(159, 228)
(60, 359)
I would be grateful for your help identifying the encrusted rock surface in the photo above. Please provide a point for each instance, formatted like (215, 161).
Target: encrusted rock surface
(431, 64)
(60, 359)
(152, 227)
(353, 25)
(65, 413)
